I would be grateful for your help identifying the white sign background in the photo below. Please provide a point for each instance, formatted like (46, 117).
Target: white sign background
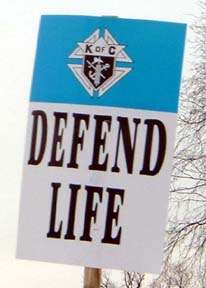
(142, 216)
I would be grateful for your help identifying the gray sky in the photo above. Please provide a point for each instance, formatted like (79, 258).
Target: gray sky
(19, 21)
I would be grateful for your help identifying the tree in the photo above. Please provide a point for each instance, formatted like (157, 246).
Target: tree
(133, 280)
(107, 282)
(174, 276)
(129, 280)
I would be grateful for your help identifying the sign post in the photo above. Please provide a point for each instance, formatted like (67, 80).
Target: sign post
(100, 139)
(92, 277)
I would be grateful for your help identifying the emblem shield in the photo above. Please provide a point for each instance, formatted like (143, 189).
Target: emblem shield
(98, 69)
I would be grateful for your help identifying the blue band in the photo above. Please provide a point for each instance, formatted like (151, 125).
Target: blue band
(155, 48)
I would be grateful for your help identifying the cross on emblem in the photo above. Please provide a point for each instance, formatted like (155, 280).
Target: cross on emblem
(100, 55)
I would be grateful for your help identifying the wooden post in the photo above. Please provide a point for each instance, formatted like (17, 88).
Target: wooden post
(92, 277)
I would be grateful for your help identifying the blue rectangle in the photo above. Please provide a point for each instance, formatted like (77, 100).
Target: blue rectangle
(155, 48)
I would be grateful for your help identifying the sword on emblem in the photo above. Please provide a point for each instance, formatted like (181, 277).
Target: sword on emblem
(98, 66)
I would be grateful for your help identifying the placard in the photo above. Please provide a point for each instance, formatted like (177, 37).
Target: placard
(100, 139)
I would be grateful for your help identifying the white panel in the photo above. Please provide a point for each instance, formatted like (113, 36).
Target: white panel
(142, 216)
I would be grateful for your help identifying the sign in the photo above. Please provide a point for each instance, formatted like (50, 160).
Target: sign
(100, 141)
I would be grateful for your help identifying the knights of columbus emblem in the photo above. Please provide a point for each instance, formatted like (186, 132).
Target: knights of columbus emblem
(99, 71)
